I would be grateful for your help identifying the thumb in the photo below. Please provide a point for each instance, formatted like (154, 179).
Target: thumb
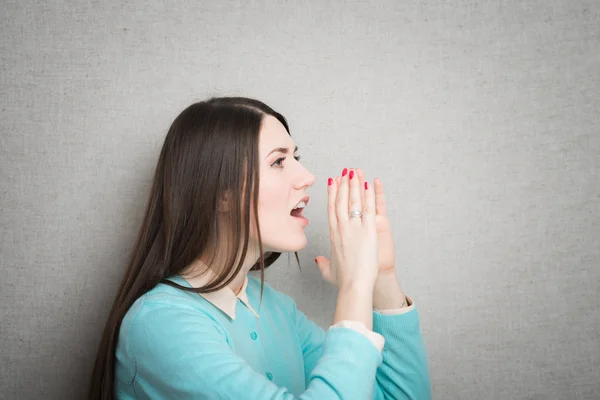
(324, 266)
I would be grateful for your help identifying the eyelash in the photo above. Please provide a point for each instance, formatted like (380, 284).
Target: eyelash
(279, 160)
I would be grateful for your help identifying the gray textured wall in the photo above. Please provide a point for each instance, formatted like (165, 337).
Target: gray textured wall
(482, 118)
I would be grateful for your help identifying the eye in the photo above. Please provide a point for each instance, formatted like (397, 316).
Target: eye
(279, 161)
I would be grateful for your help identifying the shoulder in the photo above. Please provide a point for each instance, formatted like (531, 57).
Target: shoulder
(164, 328)
(164, 296)
(165, 310)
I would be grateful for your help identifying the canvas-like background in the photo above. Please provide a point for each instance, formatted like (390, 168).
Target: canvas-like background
(481, 117)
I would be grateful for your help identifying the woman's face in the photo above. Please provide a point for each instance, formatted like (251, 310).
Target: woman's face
(283, 184)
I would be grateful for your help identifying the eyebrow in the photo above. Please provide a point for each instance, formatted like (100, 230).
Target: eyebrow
(283, 150)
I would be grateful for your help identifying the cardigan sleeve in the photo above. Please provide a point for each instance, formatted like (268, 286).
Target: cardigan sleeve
(404, 371)
(182, 353)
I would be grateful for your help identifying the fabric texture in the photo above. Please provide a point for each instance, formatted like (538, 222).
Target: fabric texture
(175, 344)
(226, 300)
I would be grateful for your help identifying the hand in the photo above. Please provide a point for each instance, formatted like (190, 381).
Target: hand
(353, 240)
(386, 256)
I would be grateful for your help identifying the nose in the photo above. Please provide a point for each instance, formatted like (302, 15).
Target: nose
(305, 178)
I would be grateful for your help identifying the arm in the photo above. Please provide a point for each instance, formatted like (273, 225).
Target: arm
(388, 294)
(404, 373)
(311, 335)
(183, 353)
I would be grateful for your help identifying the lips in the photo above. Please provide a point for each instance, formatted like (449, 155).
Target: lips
(299, 207)
(305, 199)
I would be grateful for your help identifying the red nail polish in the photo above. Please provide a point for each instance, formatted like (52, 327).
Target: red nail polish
(351, 174)
(345, 171)
(366, 185)
(315, 260)
(329, 182)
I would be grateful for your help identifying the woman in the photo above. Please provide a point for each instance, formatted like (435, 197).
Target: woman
(189, 322)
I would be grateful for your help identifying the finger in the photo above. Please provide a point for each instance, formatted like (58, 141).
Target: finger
(381, 207)
(361, 183)
(369, 208)
(325, 268)
(331, 215)
(341, 201)
(355, 195)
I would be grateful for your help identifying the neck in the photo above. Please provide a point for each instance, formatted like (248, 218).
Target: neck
(215, 262)
(203, 263)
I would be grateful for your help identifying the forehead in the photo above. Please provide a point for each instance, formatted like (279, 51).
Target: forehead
(273, 134)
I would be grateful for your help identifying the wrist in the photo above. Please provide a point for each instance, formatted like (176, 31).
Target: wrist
(387, 292)
(362, 287)
(355, 303)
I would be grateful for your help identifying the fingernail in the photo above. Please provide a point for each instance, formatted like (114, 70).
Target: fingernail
(316, 260)
(351, 174)
(345, 171)
(366, 185)
(329, 182)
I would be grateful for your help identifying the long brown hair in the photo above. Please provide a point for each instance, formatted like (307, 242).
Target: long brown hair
(211, 149)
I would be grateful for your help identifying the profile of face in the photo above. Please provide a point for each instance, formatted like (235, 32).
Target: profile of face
(283, 185)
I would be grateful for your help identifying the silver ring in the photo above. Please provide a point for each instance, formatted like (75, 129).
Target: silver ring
(355, 214)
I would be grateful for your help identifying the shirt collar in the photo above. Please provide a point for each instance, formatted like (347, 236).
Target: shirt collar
(224, 299)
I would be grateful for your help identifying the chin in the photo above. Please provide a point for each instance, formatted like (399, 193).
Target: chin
(286, 244)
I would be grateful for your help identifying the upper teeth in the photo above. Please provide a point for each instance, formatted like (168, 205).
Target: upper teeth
(302, 204)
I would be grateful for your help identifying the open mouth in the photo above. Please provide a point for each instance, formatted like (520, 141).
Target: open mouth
(297, 211)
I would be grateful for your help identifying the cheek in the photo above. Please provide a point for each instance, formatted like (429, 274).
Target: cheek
(270, 199)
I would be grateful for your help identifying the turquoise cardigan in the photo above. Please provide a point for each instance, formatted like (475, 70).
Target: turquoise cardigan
(177, 345)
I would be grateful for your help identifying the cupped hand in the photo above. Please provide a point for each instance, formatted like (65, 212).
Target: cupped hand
(354, 246)
(386, 256)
